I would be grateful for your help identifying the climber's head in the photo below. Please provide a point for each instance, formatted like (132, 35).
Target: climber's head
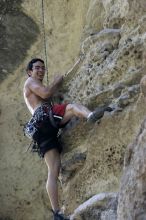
(36, 68)
(30, 64)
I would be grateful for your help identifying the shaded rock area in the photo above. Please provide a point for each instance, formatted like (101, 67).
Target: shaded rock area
(72, 164)
(17, 33)
(98, 45)
(132, 197)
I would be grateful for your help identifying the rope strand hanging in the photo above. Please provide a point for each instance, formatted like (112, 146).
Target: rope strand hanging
(77, 63)
(44, 39)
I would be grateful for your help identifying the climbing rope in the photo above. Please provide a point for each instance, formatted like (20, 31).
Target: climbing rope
(77, 63)
(44, 39)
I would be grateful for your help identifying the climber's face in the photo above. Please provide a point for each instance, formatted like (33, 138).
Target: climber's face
(38, 71)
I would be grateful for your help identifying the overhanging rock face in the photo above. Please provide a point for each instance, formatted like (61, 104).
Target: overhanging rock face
(132, 197)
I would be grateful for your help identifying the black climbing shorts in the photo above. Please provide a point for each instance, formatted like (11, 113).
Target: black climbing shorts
(47, 144)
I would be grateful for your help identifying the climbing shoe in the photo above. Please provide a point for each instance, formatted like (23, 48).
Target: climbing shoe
(98, 113)
(59, 216)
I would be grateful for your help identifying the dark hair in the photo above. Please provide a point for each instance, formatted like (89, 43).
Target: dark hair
(30, 64)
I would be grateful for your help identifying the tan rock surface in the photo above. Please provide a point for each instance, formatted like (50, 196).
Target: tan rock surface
(110, 38)
(132, 204)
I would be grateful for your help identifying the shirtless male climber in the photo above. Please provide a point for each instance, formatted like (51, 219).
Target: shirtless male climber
(36, 97)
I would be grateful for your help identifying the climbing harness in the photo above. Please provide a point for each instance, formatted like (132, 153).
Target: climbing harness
(43, 113)
(41, 122)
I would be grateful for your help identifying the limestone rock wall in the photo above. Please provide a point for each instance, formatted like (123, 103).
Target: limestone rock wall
(132, 190)
(107, 39)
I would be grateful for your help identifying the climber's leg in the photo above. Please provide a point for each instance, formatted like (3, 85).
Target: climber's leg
(83, 112)
(75, 110)
(52, 159)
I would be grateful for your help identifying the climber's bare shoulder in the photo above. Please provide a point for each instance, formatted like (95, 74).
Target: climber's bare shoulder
(31, 92)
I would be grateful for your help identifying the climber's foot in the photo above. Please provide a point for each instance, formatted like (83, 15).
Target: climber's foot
(59, 216)
(98, 113)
